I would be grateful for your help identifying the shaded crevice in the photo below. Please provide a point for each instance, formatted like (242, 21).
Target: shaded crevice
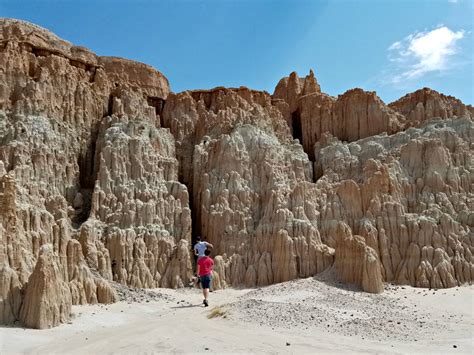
(297, 132)
(156, 102)
(317, 172)
(203, 97)
(92, 72)
(34, 71)
(298, 266)
(88, 68)
(87, 177)
(81, 65)
(46, 52)
(159, 104)
(195, 225)
(3, 45)
(110, 105)
(296, 127)
(40, 52)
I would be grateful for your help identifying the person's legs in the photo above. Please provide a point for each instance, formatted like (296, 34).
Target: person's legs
(206, 283)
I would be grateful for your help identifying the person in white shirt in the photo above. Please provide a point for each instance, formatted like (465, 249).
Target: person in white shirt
(200, 247)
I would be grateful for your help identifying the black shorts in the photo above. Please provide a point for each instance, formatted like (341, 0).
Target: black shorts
(206, 281)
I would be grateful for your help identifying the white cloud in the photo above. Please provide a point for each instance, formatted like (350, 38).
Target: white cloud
(424, 52)
(395, 45)
(453, 1)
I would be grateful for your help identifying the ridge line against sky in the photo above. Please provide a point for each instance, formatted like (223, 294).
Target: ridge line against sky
(391, 47)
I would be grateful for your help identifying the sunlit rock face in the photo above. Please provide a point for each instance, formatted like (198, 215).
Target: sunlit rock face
(105, 175)
(425, 104)
(85, 168)
(250, 191)
(410, 197)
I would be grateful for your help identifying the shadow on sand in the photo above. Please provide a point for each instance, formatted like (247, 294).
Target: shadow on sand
(188, 306)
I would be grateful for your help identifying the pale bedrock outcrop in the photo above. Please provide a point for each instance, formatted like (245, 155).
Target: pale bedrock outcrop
(53, 98)
(44, 75)
(356, 262)
(360, 114)
(409, 195)
(47, 300)
(249, 191)
(194, 116)
(425, 104)
(353, 115)
(144, 208)
(25, 228)
(292, 87)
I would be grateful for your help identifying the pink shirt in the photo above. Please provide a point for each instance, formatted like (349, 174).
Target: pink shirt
(205, 266)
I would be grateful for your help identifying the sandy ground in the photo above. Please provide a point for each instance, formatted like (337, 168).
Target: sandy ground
(303, 316)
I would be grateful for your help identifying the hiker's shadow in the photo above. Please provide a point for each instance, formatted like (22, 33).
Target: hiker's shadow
(187, 306)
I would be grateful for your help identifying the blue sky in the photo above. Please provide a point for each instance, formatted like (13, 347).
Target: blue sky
(392, 47)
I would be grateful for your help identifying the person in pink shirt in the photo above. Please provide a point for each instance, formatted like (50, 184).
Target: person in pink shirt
(204, 266)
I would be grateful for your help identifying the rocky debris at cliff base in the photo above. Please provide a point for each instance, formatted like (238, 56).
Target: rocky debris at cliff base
(138, 295)
(326, 304)
(159, 326)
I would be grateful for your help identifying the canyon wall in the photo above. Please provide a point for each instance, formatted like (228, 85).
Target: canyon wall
(87, 169)
(106, 177)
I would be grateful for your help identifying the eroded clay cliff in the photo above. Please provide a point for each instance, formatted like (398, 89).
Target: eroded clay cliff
(409, 195)
(85, 168)
(107, 175)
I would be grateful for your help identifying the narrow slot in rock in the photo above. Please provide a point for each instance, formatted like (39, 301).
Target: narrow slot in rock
(296, 126)
(158, 103)
(110, 106)
(87, 177)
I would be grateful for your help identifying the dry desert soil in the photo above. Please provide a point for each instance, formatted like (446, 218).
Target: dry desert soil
(313, 315)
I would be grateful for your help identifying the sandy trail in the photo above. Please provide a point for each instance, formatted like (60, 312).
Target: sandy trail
(307, 314)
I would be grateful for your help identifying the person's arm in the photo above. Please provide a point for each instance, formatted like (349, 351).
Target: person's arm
(209, 245)
(195, 251)
(197, 269)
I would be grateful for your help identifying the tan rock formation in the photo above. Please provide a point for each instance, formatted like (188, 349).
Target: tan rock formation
(355, 114)
(360, 114)
(355, 262)
(425, 104)
(196, 116)
(248, 182)
(56, 107)
(47, 300)
(249, 192)
(409, 196)
(102, 163)
(145, 208)
(292, 87)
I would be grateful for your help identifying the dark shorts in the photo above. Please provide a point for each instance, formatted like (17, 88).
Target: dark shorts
(206, 281)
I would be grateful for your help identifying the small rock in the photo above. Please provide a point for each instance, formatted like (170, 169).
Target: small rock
(288, 344)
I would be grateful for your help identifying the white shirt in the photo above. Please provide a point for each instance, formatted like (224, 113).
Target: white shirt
(201, 248)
